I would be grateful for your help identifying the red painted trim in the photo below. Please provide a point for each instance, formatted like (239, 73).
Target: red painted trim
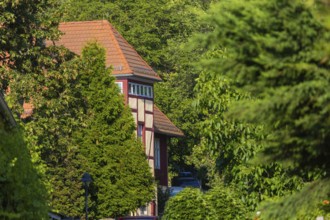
(153, 208)
(149, 129)
(149, 112)
(140, 97)
(150, 157)
(161, 175)
(134, 110)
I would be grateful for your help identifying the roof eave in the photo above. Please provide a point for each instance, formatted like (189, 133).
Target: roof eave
(137, 77)
(169, 133)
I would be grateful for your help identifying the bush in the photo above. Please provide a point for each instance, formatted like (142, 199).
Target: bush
(218, 203)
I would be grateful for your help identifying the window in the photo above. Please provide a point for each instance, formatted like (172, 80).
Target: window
(157, 153)
(140, 90)
(120, 86)
(143, 210)
(140, 131)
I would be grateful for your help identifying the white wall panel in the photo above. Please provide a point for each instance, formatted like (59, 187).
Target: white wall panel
(141, 110)
(149, 143)
(149, 105)
(132, 102)
(149, 120)
(135, 117)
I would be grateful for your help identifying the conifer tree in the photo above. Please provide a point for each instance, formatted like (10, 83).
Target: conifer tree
(278, 51)
(277, 54)
(122, 180)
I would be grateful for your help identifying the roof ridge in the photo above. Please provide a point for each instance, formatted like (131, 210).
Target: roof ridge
(145, 62)
(121, 55)
(89, 21)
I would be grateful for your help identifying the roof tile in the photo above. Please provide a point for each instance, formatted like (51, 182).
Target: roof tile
(163, 124)
(119, 53)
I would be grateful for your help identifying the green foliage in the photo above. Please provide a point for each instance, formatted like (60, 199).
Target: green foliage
(188, 204)
(122, 179)
(163, 195)
(310, 202)
(224, 203)
(22, 195)
(273, 56)
(58, 113)
(218, 203)
(281, 60)
(24, 24)
(158, 30)
(147, 25)
(74, 129)
(261, 182)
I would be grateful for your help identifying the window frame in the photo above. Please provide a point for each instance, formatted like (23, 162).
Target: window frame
(140, 90)
(120, 86)
(157, 154)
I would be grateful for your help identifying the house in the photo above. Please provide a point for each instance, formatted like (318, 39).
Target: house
(136, 80)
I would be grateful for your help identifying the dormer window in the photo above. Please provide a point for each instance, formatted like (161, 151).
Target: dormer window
(140, 90)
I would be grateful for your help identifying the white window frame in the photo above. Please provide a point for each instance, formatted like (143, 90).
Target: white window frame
(140, 90)
(120, 86)
(157, 153)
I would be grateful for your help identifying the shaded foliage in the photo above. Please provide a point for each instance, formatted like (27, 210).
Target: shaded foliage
(22, 194)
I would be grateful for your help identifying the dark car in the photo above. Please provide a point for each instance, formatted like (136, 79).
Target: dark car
(183, 180)
(139, 218)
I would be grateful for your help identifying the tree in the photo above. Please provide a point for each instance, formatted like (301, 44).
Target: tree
(122, 180)
(288, 78)
(282, 71)
(22, 194)
(57, 116)
(147, 25)
(48, 78)
(310, 202)
(24, 26)
(159, 31)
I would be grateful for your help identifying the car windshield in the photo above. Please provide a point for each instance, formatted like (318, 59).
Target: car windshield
(193, 183)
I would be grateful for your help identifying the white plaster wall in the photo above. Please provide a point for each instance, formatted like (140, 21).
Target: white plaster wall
(149, 143)
(141, 110)
(132, 102)
(149, 105)
(134, 117)
(149, 120)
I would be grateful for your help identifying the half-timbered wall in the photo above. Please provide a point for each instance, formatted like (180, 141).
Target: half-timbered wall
(142, 111)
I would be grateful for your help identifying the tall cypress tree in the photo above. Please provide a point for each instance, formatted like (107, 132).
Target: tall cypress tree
(122, 179)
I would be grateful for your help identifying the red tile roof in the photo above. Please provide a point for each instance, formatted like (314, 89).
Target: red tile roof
(163, 124)
(119, 53)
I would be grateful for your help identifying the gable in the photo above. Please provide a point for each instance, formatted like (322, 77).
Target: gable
(123, 58)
